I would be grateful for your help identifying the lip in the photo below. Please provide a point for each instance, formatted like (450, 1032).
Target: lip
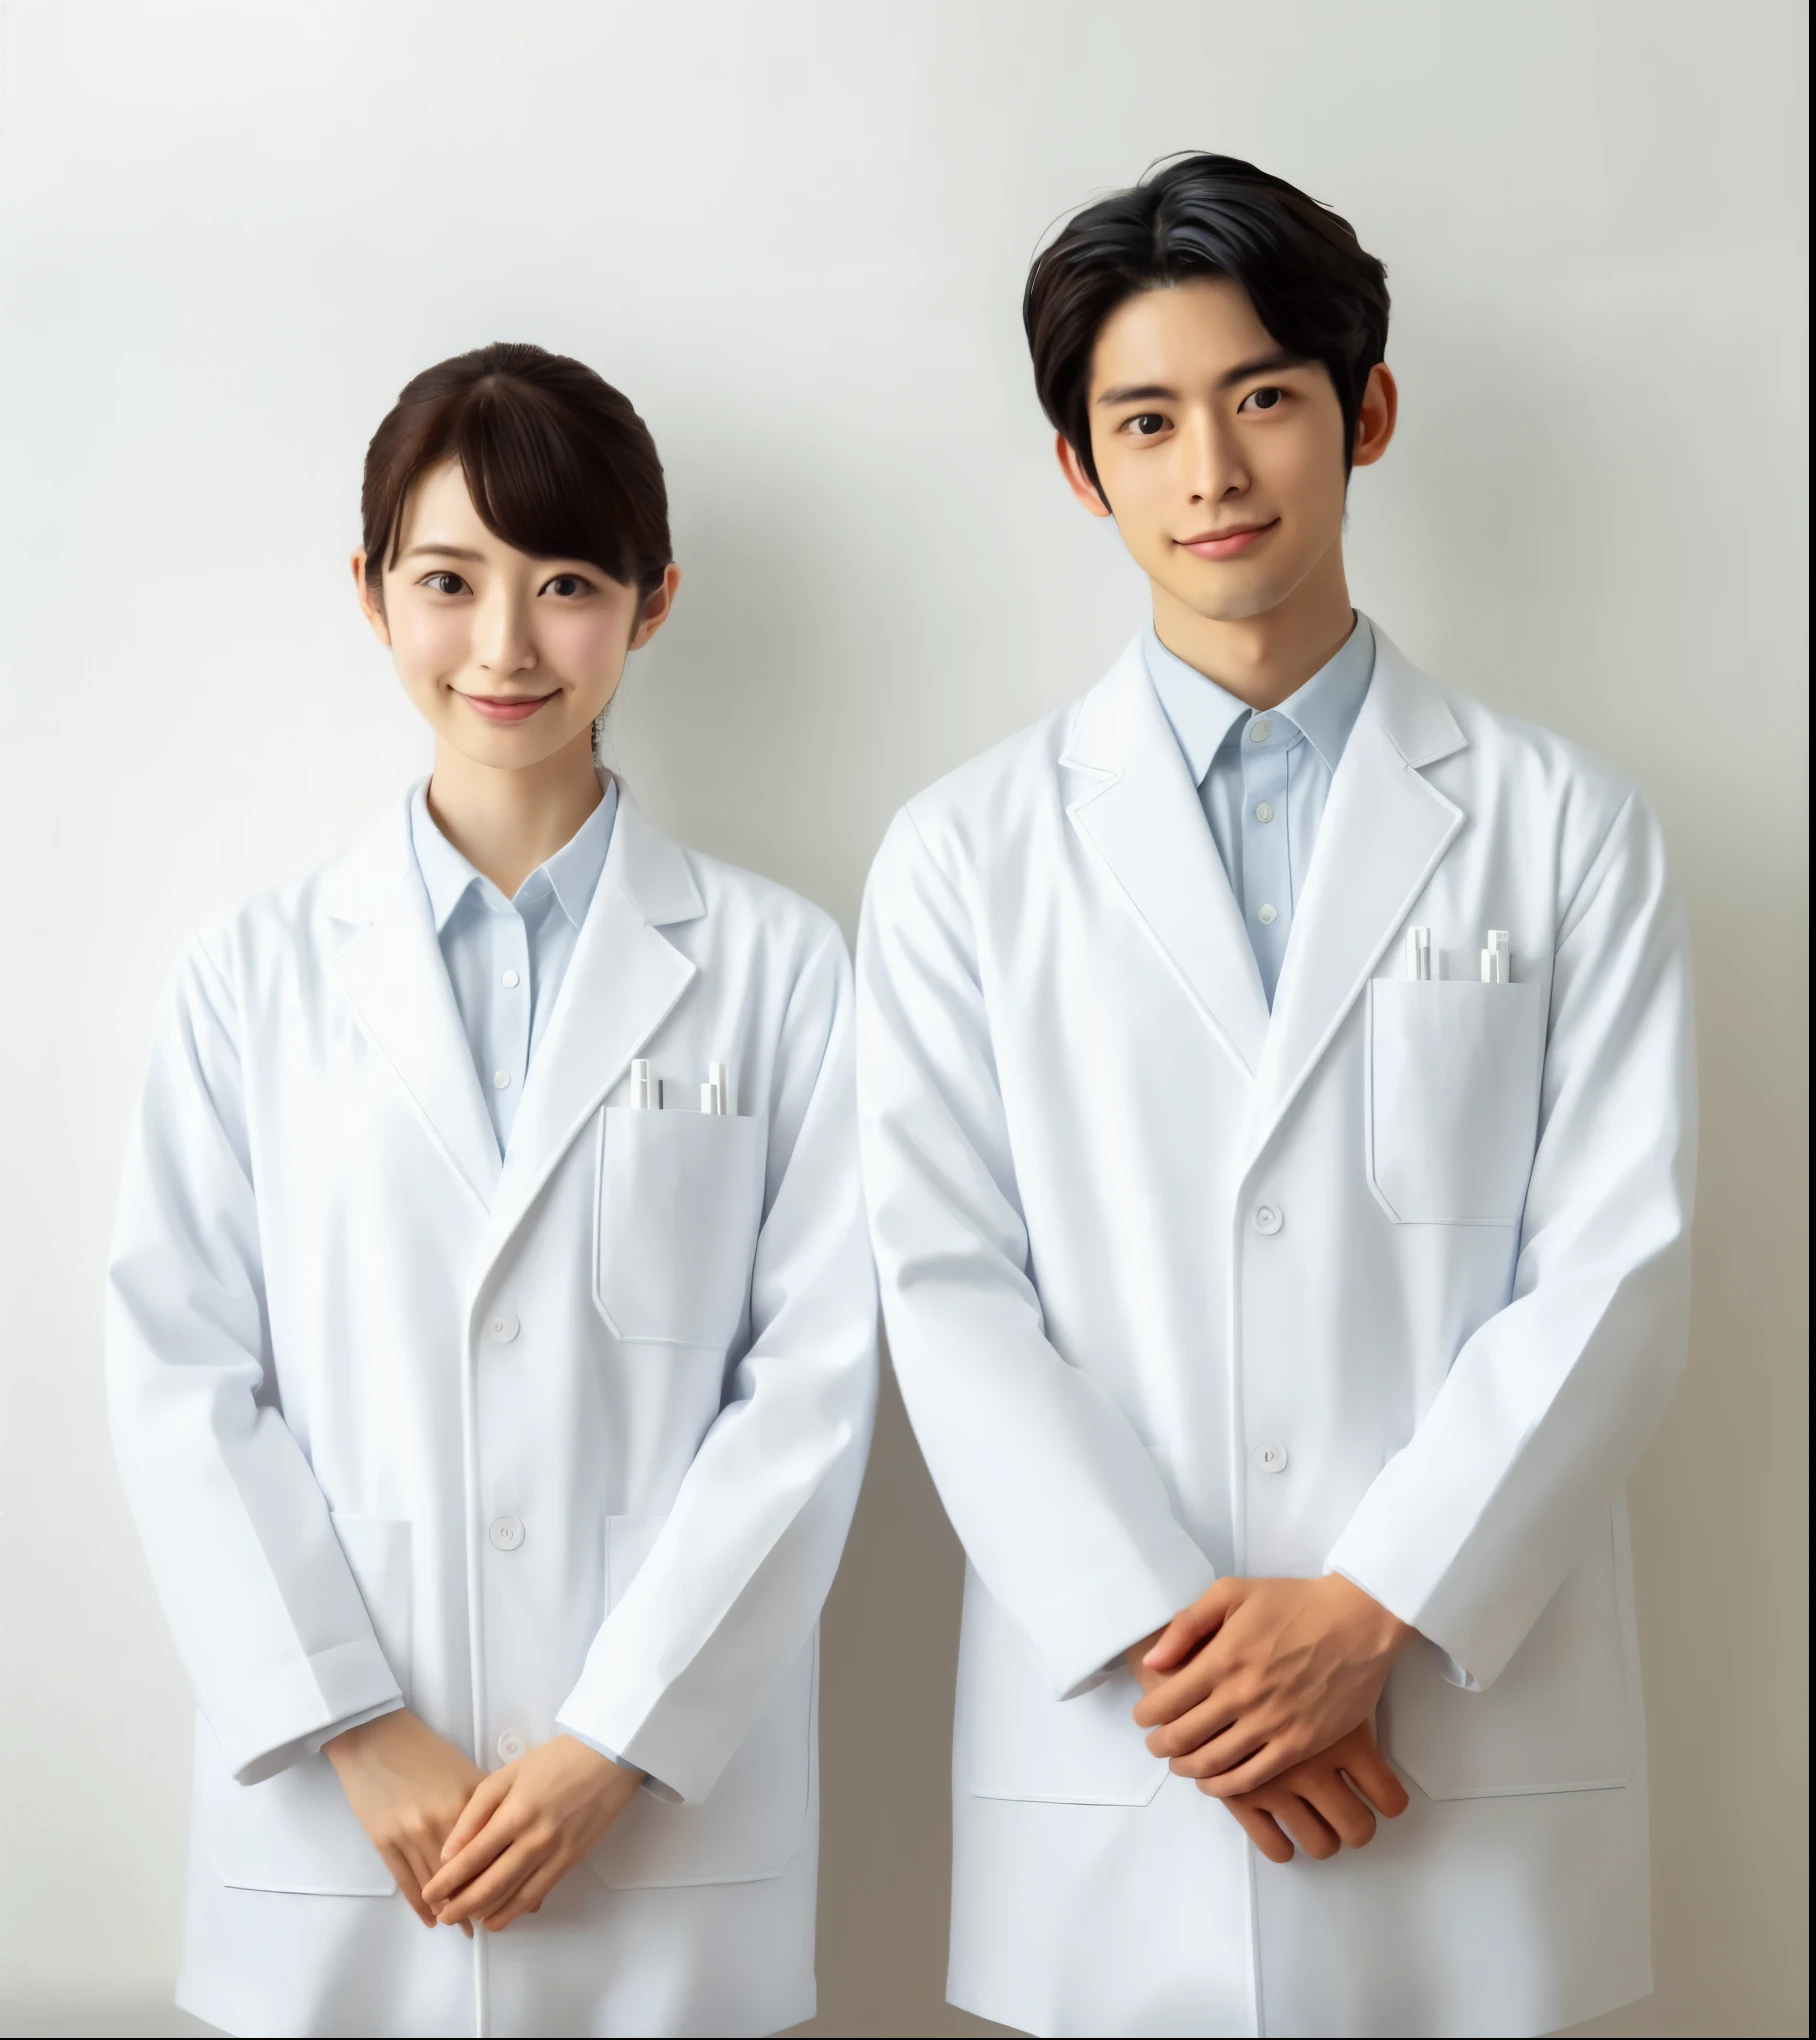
(1226, 545)
(507, 708)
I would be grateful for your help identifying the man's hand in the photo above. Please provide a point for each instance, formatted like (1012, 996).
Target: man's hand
(1258, 1675)
(524, 1829)
(407, 1788)
(1322, 1804)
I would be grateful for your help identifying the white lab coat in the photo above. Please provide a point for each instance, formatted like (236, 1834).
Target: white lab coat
(1392, 1281)
(571, 1440)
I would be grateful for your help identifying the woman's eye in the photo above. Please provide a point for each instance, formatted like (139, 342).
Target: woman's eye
(565, 584)
(444, 584)
(1262, 400)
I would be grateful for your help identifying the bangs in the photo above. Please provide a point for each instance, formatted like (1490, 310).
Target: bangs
(556, 461)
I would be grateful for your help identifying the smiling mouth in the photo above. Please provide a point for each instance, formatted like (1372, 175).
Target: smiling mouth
(1223, 545)
(507, 708)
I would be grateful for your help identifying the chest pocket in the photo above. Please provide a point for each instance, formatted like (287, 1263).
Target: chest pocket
(1454, 1071)
(675, 1229)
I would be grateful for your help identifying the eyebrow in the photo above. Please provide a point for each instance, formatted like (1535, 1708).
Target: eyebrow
(1139, 393)
(446, 552)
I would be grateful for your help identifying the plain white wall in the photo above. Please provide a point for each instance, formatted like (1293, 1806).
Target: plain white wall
(796, 234)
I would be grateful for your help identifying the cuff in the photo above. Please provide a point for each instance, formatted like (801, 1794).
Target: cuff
(265, 1726)
(653, 1786)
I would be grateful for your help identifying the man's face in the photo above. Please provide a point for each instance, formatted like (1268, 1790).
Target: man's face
(1221, 457)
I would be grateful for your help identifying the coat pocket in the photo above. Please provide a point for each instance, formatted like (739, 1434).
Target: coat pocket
(1013, 1740)
(1556, 1720)
(1454, 1071)
(295, 1832)
(675, 1230)
(749, 1825)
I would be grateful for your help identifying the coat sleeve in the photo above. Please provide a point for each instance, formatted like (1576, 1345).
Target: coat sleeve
(1060, 1506)
(267, 1618)
(1468, 1532)
(732, 1588)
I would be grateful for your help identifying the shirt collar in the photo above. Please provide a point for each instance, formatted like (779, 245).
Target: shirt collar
(1203, 715)
(572, 874)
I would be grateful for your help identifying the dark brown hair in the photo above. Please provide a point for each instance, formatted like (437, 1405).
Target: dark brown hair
(1318, 292)
(557, 462)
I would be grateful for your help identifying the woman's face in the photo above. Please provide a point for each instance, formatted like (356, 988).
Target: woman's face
(507, 657)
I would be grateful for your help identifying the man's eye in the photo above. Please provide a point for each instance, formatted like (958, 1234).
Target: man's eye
(1146, 424)
(444, 584)
(1262, 400)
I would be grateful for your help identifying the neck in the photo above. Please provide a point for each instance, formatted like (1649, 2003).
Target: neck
(506, 823)
(1263, 659)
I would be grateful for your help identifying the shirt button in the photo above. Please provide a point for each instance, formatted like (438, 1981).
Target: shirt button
(1260, 730)
(1264, 811)
(510, 980)
(502, 1327)
(501, 1080)
(1266, 916)
(1267, 1219)
(506, 1533)
(511, 1746)
(1268, 1458)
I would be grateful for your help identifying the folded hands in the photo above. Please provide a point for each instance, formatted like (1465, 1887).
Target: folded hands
(467, 1848)
(1264, 1691)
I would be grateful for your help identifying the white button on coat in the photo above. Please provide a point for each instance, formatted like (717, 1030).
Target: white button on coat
(511, 1745)
(1268, 1458)
(1261, 729)
(510, 980)
(501, 1080)
(502, 1327)
(1268, 1218)
(1266, 916)
(506, 1532)
(1264, 810)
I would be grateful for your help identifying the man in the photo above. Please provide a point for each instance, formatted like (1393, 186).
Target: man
(1276, 1092)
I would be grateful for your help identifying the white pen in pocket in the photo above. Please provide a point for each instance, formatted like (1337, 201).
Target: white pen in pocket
(1418, 954)
(1497, 958)
(715, 1093)
(646, 1093)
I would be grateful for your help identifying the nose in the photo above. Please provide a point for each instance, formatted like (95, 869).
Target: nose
(502, 642)
(1214, 469)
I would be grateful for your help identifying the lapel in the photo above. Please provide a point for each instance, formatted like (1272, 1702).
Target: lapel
(392, 974)
(1141, 814)
(621, 983)
(1383, 832)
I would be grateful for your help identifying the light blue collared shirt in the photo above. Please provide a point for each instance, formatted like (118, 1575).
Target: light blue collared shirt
(506, 958)
(1263, 778)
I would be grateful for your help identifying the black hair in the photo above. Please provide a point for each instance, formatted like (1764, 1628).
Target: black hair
(558, 462)
(1318, 292)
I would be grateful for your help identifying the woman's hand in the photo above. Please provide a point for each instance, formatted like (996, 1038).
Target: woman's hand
(524, 1829)
(407, 1787)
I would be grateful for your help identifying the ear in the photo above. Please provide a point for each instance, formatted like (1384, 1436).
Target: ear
(369, 607)
(1080, 483)
(1379, 413)
(654, 612)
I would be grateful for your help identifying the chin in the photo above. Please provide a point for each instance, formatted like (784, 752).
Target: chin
(1233, 601)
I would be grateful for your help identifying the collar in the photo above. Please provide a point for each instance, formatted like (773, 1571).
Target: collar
(1203, 715)
(572, 874)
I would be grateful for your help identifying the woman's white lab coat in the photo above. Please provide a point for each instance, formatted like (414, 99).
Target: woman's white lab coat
(1389, 1281)
(567, 1441)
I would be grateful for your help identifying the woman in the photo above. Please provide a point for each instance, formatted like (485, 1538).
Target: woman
(491, 1326)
